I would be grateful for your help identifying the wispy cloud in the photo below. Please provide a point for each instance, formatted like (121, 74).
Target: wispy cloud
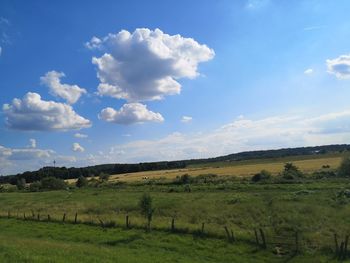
(256, 4)
(310, 28)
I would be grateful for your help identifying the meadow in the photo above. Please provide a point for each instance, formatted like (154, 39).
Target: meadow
(313, 208)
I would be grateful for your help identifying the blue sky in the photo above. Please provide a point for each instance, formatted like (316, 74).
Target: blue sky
(129, 81)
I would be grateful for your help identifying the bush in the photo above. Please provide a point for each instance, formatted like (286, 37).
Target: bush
(104, 177)
(291, 172)
(262, 176)
(21, 184)
(81, 182)
(344, 168)
(324, 174)
(35, 186)
(146, 208)
(52, 183)
(185, 179)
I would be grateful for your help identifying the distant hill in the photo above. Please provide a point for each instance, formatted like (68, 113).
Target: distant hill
(70, 173)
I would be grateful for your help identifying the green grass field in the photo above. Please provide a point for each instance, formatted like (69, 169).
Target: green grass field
(315, 208)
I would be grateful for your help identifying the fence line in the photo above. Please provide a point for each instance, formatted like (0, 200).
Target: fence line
(287, 243)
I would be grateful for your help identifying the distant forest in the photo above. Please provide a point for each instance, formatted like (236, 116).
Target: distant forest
(70, 173)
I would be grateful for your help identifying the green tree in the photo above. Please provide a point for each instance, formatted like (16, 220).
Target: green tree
(291, 171)
(35, 186)
(52, 183)
(104, 176)
(344, 168)
(146, 208)
(81, 182)
(263, 175)
(185, 179)
(21, 184)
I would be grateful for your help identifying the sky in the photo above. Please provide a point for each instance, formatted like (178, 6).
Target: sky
(92, 82)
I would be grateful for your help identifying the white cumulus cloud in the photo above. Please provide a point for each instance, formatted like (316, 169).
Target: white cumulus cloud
(76, 147)
(146, 64)
(71, 93)
(33, 113)
(339, 66)
(130, 113)
(186, 119)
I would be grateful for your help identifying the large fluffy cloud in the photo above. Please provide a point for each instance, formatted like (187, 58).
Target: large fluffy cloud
(33, 113)
(145, 64)
(130, 113)
(339, 66)
(71, 93)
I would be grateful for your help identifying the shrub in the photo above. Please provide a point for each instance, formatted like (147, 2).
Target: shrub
(81, 182)
(104, 177)
(344, 168)
(185, 179)
(21, 184)
(35, 186)
(263, 175)
(291, 172)
(52, 183)
(146, 208)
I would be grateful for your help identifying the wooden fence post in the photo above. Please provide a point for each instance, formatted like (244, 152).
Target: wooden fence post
(38, 216)
(336, 244)
(173, 224)
(202, 230)
(24, 216)
(256, 237)
(76, 218)
(48, 218)
(341, 250)
(64, 217)
(263, 238)
(127, 221)
(232, 236)
(296, 242)
(345, 255)
(227, 233)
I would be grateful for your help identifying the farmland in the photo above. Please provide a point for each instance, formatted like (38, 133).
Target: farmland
(220, 195)
(307, 164)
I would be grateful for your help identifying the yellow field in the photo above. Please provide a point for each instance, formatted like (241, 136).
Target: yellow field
(240, 170)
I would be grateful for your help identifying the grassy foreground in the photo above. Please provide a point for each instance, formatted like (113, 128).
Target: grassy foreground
(301, 214)
(29, 241)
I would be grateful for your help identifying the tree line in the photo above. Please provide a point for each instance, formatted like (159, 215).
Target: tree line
(74, 173)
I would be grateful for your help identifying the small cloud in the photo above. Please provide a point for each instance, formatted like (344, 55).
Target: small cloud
(186, 119)
(76, 147)
(80, 135)
(94, 43)
(309, 28)
(130, 113)
(256, 4)
(4, 21)
(340, 66)
(32, 143)
(126, 135)
(308, 71)
(71, 93)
